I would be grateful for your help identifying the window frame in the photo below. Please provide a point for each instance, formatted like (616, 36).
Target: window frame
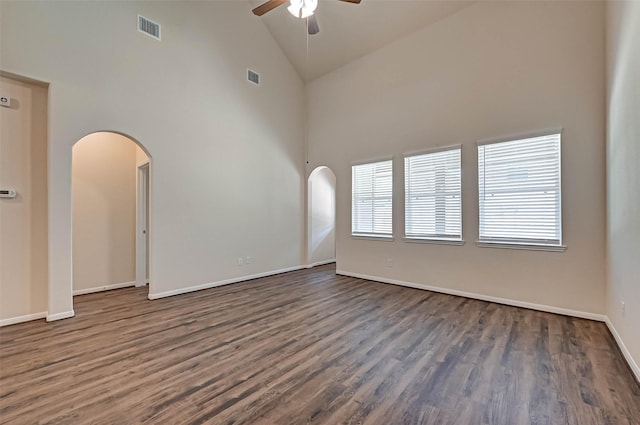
(522, 243)
(373, 235)
(435, 239)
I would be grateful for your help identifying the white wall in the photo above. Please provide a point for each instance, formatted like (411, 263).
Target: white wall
(104, 210)
(23, 219)
(322, 215)
(227, 177)
(493, 69)
(623, 172)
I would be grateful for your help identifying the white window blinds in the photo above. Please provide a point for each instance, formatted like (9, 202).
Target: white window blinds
(519, 191)
(433, 206)
(371, 199)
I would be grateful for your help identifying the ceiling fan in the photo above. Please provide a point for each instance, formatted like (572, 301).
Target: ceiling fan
(298, 8)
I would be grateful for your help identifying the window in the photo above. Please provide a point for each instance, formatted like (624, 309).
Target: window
(371, 199)
(519, 191)
(432, 186)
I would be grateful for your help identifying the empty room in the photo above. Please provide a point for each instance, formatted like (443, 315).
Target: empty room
(320, 212)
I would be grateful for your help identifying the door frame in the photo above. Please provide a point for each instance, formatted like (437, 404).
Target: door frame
(142, 223)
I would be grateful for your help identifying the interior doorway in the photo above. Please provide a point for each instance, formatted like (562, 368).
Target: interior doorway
(142, 225)
(23, 199)
(110, 213)
(321, 216)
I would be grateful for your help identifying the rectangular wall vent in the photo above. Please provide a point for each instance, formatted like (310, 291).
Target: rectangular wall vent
(147, 26)
(253, 76)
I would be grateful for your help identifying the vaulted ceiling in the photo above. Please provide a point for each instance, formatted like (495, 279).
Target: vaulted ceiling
(349, 31)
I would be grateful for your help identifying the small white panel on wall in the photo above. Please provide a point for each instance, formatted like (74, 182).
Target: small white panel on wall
(7, 193)
(5, 101)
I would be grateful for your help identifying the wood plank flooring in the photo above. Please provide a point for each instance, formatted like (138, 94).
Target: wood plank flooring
(310, 347)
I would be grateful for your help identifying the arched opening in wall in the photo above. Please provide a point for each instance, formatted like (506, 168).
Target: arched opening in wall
(321, 216)
(110, 213)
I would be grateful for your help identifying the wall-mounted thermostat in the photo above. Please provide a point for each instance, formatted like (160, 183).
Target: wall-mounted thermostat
(7, 193)
(5, 101)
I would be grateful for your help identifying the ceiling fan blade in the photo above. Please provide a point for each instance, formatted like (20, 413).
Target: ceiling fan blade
(352, 1)
(265, 7)
(312, 25)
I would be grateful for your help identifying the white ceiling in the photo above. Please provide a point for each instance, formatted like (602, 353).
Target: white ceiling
(349, 31)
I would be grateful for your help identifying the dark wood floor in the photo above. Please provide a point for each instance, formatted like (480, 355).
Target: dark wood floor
(311, 347)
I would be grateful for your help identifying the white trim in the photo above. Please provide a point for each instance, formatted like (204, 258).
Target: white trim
(24, 78)
(320, 263)
(103, 288)
(373, 160)
(437, 241)
(143, 174)
(560, 188)
(524, 246)
(374, 237)
(625, 351)
(194, 288)
(21, 319)
(489, 298)
(521, 136)
(433, 150)
(60, 316)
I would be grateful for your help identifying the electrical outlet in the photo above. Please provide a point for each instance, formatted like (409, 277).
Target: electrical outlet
(240, 261)
(247, 259)
(623, 309)
(389, 262)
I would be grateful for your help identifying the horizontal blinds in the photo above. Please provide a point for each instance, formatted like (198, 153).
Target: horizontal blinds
(519, 190)
(433, 207)
(371, 197)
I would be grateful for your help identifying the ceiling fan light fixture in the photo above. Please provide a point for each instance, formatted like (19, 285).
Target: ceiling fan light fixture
(302, 8)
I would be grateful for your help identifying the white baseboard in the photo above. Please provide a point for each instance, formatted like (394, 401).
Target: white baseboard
(103, 288)
(319, 263)
(21, 319)
(60, 316)
(625, 351)
(540, 307)
(220, 283)
(506, 301)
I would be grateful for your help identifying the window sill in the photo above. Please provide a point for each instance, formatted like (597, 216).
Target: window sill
(384, 238)
(522, 246)
(458, 242)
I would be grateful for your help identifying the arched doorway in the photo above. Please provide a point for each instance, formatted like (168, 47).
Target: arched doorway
(110, 213)
(321, 216)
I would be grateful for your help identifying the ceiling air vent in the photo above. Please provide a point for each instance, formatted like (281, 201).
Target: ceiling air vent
(253, 76)
(147, 26)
